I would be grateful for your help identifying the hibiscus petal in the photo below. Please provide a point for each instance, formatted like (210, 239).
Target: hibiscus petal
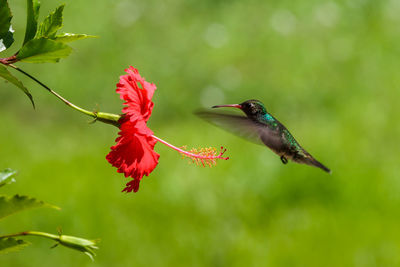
(138, 104)
(132, 186)
(134, 154)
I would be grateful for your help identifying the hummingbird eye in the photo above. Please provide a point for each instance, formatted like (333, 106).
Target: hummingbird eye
(251, 108)
(250, 105)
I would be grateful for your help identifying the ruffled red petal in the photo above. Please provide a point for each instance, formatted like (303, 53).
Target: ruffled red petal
(137, 98)
(134, 154)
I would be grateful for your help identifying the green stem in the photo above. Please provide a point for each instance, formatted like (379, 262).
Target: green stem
(100, 116)
(42, 234)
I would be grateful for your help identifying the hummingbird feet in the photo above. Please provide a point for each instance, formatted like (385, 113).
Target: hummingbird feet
(284, 160)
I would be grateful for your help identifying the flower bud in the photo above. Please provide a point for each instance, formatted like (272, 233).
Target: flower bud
(81, 244)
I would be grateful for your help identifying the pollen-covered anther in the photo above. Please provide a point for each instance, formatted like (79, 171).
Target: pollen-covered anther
(205, 156)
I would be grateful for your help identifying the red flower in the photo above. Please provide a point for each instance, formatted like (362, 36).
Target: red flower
(134, 153)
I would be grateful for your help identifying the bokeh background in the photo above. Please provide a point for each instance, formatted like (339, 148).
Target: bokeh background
(329, 70)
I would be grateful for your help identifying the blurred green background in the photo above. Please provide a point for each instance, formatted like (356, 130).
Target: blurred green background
(328, 70)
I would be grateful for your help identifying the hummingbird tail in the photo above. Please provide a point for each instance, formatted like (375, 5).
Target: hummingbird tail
(313, 162)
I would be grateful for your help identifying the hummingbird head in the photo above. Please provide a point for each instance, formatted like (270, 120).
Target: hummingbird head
(252, 107)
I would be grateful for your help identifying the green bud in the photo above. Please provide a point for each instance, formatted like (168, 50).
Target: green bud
(84, 245)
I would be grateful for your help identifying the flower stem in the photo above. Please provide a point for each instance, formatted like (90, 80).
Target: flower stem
(100, 116)
(192, 155)
(47, 235)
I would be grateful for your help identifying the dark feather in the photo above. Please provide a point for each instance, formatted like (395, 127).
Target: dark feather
(313, 162)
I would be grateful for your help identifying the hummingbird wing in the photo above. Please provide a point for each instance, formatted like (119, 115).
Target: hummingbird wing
(241, 126)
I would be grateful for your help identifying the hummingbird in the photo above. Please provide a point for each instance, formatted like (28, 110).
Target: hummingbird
(260, 127)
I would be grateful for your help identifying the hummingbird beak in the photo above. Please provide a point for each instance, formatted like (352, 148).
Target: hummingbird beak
(229, 106)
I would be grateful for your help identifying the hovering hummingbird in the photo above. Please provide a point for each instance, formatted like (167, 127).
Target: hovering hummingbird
(262, 128)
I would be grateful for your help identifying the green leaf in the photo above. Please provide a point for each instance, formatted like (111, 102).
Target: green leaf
(43, 50)
(6, 40)
(32, 18)
(9, 77)
(49, 27)
(7, 176)
(6, 32)
(11, 244)
(70, 37)
(5, 16)
(17, 203)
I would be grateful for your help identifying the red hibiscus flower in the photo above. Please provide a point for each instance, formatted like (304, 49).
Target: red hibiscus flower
(134, 154)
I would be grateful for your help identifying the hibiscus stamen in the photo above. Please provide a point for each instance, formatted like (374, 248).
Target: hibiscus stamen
(204, 156)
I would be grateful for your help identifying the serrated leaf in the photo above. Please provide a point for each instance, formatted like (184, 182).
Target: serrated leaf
(9, 77)
(33, 7)
(11, 244)
(43, 50)
(49, 27)
(7, 176)
(70, 37)
(6, 32)
(17, 203)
